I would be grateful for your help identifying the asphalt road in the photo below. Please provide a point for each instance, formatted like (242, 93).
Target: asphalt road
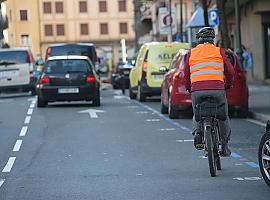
(129, 151)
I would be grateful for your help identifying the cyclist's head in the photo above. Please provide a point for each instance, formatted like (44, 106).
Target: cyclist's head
(206, 34)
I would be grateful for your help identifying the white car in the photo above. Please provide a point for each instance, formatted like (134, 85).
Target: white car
(16, 67)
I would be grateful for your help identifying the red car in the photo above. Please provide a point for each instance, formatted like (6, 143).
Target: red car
(175, 98)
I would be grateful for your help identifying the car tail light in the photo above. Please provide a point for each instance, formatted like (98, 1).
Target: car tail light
(48, 53)
(45, 80)
(90, 79)
(144, 68)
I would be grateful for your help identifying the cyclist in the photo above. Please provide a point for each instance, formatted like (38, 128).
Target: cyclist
(209, 72)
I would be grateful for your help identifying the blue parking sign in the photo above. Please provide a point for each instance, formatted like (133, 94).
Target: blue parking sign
(213, 16)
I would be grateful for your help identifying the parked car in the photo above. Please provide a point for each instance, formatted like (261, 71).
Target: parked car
(264, 155)
(68, 78)
(16, 67)
(151, 64)
(175, 98)
(82, 49)
(121, 71)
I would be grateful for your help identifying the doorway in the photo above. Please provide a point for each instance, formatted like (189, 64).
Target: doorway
(267, 49)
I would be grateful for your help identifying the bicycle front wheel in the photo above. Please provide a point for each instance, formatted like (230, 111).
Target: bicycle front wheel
(210, 151)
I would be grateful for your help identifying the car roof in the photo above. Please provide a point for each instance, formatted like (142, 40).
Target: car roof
(15, 49)
(161, 44)
(65, 44)
(70, 57)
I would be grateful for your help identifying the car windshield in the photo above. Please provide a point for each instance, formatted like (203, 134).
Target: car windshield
(82, 50)
(13, 57)
(67, 66)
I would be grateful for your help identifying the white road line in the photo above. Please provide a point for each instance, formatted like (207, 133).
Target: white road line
(2, 182)
(9, 164)
(167, 129)
(184, 140)
(256, 122)
(17, 145)
(27, 119)
(32, 105)
(30, 111)
(23, 131)
(152, 120)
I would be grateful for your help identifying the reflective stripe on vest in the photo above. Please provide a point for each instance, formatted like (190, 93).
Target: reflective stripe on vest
(206, 63)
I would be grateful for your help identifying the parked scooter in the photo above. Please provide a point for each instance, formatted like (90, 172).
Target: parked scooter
(264, 155)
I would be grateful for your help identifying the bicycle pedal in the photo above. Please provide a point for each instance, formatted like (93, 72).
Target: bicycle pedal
(199, 146)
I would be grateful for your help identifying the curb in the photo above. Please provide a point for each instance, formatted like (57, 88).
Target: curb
(259, 116)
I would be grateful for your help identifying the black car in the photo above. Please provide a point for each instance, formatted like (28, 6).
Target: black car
(82, 49)
(120, 75)
(68, 78)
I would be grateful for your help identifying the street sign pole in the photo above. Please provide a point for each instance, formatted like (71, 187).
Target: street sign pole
(169, 36)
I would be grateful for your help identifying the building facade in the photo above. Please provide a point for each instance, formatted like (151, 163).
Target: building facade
(255, 34)
(102, 22)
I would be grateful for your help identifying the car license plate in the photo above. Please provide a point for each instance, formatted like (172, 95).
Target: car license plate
(158, 76)
(126, 72)
(8, 74)
(68, 90)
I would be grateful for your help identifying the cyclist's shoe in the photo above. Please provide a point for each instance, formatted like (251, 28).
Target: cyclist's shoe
(225, 150)
(198, 140)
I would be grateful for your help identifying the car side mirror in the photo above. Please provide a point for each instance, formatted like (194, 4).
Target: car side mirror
(40, 62)
(163, 69)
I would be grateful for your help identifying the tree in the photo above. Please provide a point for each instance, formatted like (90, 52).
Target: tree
(223, 27)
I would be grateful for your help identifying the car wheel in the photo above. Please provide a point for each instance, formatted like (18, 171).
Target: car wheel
(131, 94)
(41, 103)
(263, 157)
(140, 96)
(173, 114)
(163, 108)
(96, 101)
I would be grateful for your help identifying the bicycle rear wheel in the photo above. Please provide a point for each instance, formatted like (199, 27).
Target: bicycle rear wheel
(210, 151)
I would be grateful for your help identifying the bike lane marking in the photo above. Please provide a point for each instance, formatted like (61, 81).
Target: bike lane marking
(187, 130)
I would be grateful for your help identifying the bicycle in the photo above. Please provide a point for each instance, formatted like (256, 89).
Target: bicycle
(208, 112)
(264, 155)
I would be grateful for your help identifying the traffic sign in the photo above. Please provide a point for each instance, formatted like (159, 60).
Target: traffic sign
(213, 16)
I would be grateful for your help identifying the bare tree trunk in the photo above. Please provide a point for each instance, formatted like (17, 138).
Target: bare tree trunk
(205, 12)
(225, 39)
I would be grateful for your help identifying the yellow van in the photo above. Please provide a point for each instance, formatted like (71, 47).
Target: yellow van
(151, 64)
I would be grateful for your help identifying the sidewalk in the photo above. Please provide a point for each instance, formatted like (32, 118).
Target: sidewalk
(259, 102)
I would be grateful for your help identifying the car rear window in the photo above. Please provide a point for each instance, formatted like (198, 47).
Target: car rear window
(80, 50)
(19, 57)
(67, 66)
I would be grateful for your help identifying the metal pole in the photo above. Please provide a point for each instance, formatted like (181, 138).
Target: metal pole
(181, 20)
(238, 32)
(169, 36)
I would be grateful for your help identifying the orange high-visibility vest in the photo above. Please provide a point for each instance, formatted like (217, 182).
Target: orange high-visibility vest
(206, 63)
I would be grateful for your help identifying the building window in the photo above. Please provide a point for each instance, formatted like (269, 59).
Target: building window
(122, 6)
(84, 29)
(123, 28)
(102, 6)
(83, 6)
(104, 29)
(59, 7)
(60, 29)
(23, 15)
(25, 40)
(48, 30)
(47, 7)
